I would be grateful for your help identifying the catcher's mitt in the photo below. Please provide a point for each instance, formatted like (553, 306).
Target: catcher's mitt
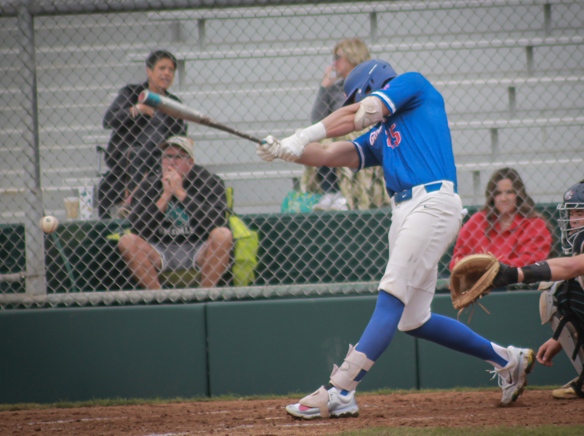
(471, 278)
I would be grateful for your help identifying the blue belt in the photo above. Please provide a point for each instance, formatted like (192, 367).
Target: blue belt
(407, 194)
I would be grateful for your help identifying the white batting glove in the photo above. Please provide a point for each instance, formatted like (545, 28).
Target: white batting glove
(268, 149)
(292, 147)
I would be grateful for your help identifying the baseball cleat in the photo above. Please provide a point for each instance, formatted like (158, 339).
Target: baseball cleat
(513, 377)
(325, 404)
(566, 392)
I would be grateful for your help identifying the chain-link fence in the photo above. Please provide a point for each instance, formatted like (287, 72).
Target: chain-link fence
(77, 145)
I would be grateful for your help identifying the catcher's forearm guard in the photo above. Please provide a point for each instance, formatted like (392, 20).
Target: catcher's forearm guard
(538, 272)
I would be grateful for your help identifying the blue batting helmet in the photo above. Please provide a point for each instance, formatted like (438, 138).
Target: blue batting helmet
(572, 230)
(365, 78)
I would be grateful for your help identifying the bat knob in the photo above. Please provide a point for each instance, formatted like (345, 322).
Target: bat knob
(269, 140)
(143, 96)
(150, 99)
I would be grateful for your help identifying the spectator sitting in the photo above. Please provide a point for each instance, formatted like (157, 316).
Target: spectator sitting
(132, 151)
(179, 220)
(342, 188)
(506, 226)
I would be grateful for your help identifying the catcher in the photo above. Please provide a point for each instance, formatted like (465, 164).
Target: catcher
(562, 299)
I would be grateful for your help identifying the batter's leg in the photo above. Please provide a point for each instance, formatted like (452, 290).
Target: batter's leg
(511, 364)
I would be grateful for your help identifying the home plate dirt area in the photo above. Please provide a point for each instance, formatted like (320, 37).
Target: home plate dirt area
(445, 409)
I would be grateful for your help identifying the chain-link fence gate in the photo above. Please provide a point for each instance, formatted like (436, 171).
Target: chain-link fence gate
(511, 73)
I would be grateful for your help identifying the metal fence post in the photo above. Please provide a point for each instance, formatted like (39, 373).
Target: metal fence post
(33, 208)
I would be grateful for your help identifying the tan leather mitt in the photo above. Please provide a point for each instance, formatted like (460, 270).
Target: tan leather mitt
(471, 278)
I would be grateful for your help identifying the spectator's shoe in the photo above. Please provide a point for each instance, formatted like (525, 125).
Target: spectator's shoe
(325, 404)
(331, 201)
(513, 377)
(566, 392)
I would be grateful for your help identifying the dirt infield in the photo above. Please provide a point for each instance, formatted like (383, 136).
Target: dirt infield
(267, 417)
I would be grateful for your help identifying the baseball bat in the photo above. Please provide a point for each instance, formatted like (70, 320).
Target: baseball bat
(178, 110)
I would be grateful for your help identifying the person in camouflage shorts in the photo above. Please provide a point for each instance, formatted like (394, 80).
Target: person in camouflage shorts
(364, 189)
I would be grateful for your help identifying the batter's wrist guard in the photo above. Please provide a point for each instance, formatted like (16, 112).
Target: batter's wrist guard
(538, 272)
(314, 133)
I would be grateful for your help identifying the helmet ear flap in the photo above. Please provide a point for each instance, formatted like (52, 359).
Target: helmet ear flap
(579, 242)
(572, 238)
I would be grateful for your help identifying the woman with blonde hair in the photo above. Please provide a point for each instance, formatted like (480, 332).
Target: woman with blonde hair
(507, 226)
(341, 188)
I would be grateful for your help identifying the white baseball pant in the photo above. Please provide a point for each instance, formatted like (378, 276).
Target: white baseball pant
(422, 228)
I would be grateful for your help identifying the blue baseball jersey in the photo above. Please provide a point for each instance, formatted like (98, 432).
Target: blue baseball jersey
(413, 144)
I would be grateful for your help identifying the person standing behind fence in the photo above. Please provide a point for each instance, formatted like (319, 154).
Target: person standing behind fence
(179, 220)
(507, 226)
(342, 189)
(137, 129)
(410, 139)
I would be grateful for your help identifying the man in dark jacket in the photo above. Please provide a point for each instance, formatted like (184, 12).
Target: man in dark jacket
(137, 129)
(179, 220)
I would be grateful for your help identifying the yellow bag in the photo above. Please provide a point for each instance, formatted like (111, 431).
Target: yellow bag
(245, 249)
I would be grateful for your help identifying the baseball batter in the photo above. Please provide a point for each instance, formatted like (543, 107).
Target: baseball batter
(410, 139)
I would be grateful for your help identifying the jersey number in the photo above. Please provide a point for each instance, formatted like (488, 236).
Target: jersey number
(393, 138)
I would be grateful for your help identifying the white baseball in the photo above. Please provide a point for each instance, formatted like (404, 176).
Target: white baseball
(49, 224)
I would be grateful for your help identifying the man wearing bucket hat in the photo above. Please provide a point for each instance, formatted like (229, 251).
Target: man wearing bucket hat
(178, 220)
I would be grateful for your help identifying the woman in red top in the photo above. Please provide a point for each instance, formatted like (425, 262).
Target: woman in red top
(506, 226)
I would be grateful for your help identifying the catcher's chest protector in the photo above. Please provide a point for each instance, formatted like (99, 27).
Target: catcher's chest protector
(570, 301)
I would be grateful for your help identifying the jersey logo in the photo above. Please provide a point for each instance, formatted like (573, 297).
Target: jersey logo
(393, 137)
(374, 135)
(177, 214)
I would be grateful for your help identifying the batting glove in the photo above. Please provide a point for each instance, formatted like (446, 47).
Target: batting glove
(292, 147)
(268, 149)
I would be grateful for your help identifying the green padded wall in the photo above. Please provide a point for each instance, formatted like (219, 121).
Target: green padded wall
(279, 346)
(285, 346)
(79, 354)
(514, 320)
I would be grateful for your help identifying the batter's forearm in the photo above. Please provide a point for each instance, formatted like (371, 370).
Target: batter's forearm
(341, 122)
(314, 155)
(333, 154)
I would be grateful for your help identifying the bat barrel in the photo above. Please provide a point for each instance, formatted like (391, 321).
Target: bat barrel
(179, 110)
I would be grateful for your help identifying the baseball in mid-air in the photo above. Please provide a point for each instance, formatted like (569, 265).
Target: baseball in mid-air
(49, 224)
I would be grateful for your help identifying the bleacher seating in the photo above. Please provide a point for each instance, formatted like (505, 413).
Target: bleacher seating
(492, 60)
